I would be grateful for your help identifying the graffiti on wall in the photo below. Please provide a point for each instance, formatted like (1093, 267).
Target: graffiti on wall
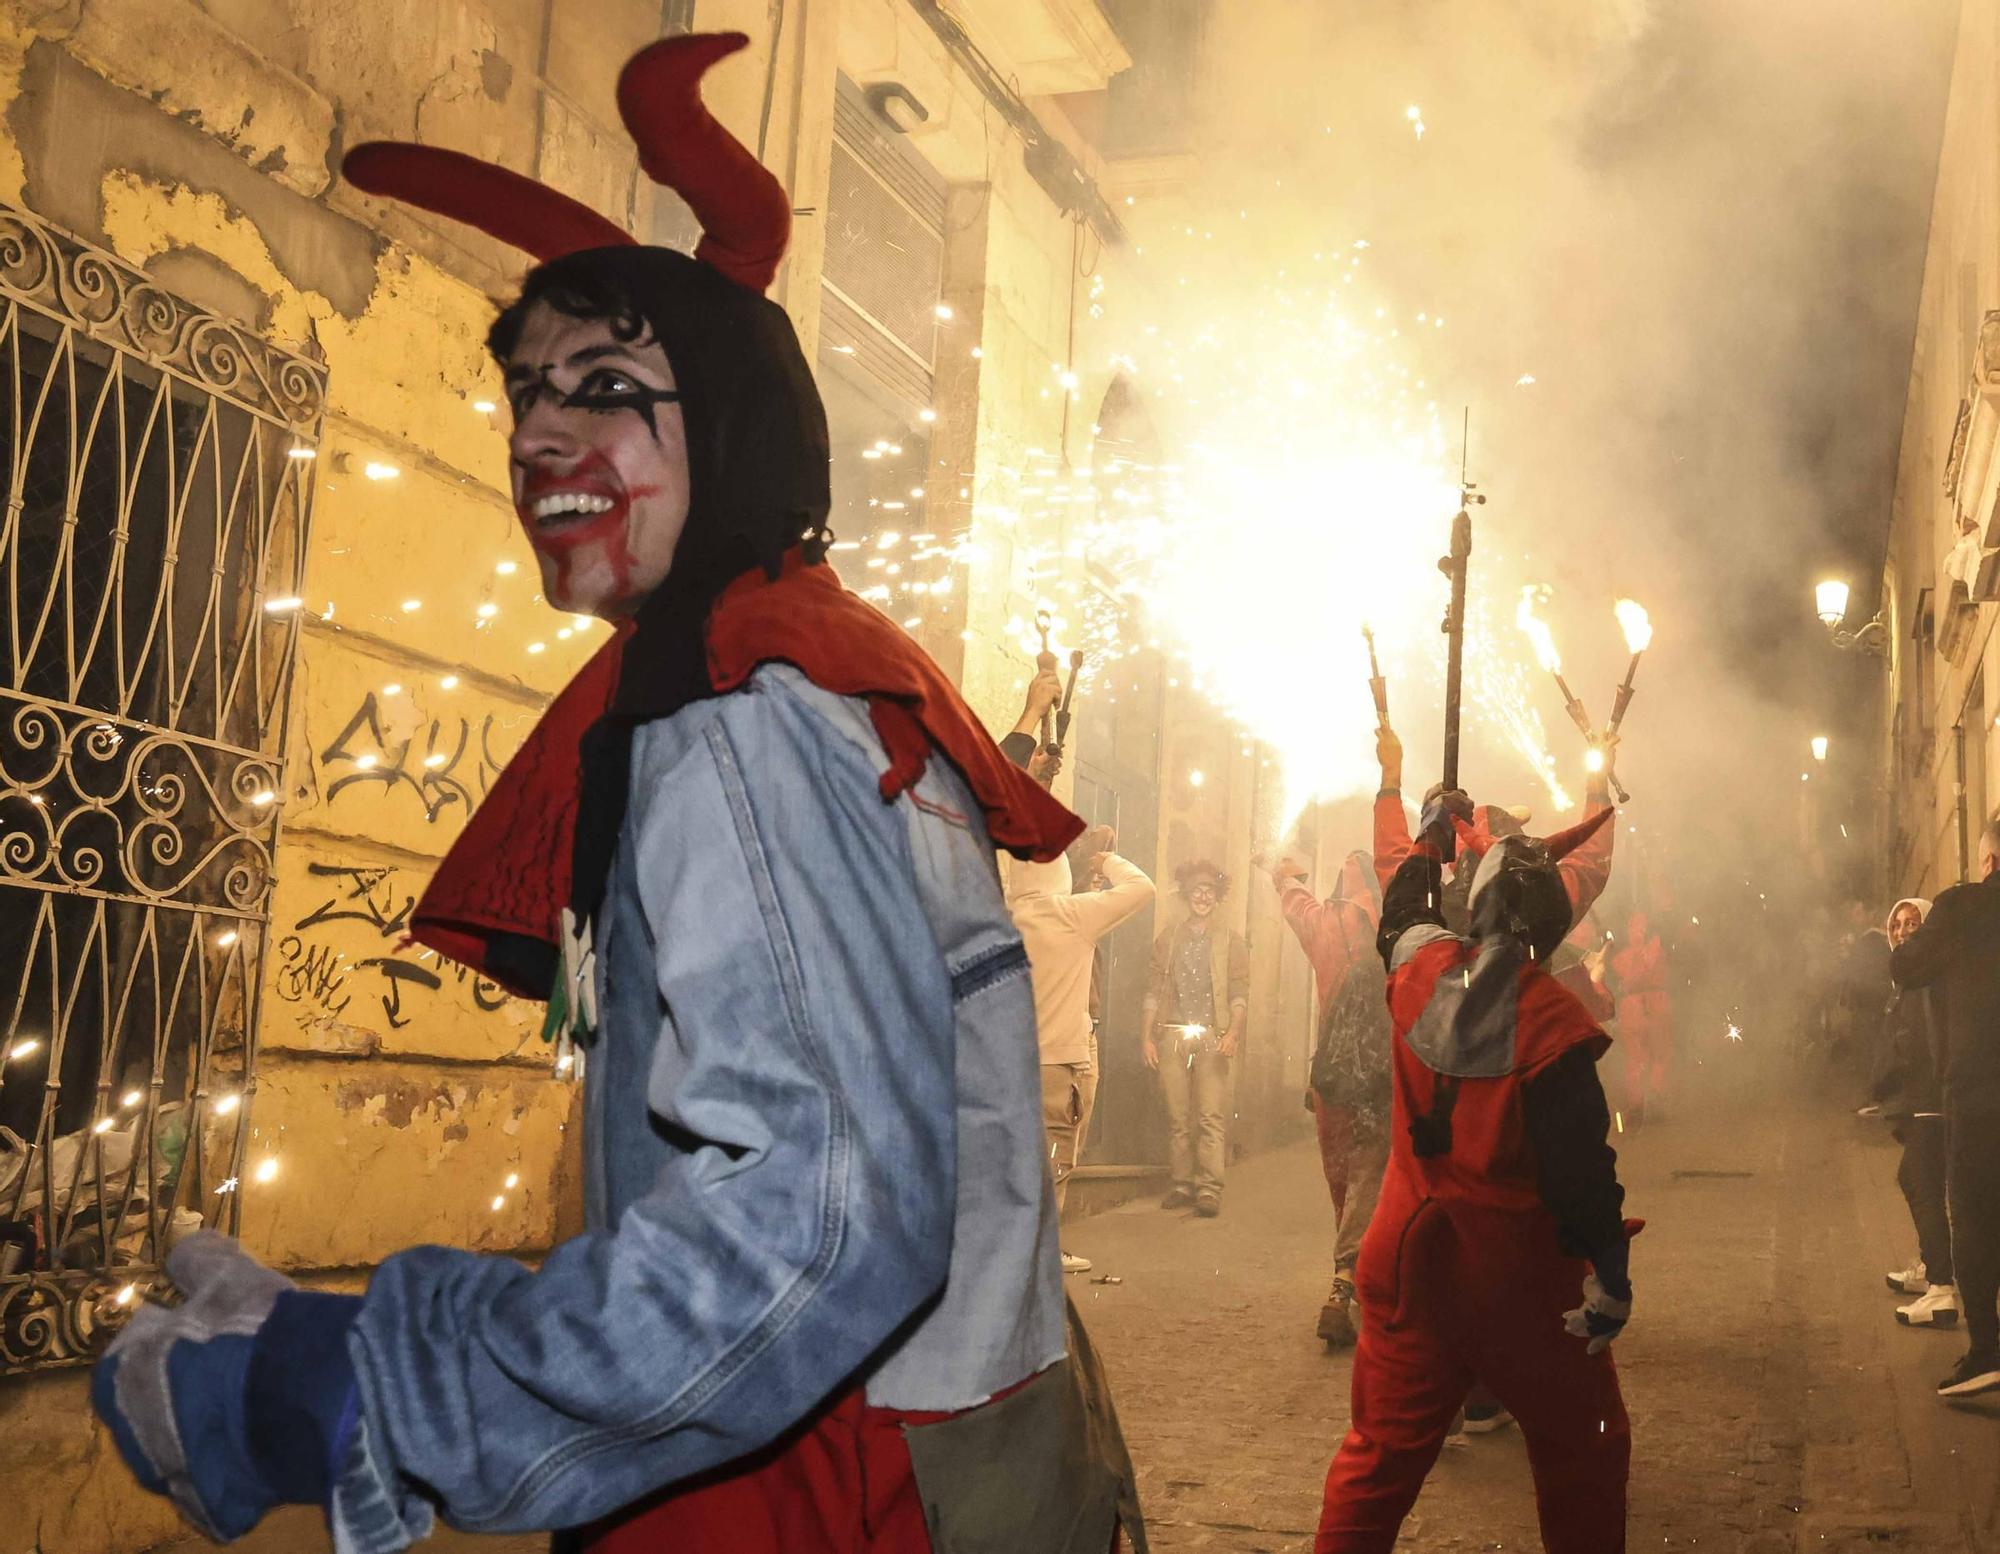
(369, 903)
(443, 761)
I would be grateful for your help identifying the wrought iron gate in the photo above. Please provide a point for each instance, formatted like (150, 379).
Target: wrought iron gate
(158, 474)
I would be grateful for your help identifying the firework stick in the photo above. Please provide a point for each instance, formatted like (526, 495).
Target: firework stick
(1624, 694)
(1574, 708)
(1069, 696)
(1045, 661)
(1377, 686)
(1455, 566)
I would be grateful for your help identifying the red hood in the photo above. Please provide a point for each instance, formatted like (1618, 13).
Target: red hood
(509, 873)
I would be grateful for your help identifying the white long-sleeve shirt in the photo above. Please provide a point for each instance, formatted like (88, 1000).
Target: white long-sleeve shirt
(1061, 931)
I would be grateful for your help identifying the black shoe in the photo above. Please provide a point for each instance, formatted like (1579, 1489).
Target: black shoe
(1208, 1203)
(1179, 1198)
(1977, 1372)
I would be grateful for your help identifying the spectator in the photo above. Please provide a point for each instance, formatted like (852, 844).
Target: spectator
(1061, 931)
(1200, 979)
(1957, 951)
(1905, 1092)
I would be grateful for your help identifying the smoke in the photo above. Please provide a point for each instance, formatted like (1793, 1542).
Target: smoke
(1676, 248)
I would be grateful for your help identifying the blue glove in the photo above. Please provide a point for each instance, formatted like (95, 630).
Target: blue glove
(239, 1399)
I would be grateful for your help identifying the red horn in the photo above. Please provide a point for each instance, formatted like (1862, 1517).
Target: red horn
(518, 211)
(1563, 843)
(745, 214)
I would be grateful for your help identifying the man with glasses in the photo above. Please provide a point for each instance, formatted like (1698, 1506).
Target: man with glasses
(1192, 1027)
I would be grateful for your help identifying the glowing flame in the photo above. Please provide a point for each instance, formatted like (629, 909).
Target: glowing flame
(1537, 629)
(1633, 622)
(1593, 759)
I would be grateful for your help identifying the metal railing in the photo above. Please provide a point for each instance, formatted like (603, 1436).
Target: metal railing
(158, 464)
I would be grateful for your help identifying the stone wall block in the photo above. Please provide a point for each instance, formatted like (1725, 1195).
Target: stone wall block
(198, 70)
(589, 42)
(374, 1157)
(587, 161)
(341, 983)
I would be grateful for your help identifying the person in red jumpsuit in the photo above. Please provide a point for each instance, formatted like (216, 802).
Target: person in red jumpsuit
(1348, 1092)
(1645, 1018)
(1584, 872)
(1497, 1252)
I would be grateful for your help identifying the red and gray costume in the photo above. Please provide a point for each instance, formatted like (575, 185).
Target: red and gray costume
(1500, 1206)
(816, 1303)
(1348, 1089)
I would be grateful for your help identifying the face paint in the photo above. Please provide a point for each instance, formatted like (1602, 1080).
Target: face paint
(601, 493)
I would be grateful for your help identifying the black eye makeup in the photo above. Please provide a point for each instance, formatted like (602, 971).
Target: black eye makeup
(601, 390)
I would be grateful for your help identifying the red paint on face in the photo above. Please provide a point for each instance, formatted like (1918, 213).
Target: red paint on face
(593, 475)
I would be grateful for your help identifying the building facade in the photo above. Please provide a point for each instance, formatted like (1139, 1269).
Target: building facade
(1941, 584)
(272, 629)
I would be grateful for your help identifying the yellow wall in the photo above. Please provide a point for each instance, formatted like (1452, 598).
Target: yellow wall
(1961, 284)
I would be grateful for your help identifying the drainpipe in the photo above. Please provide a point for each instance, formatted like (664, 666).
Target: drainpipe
(1964, 841)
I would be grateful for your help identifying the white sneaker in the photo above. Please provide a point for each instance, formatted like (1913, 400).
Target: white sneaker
(1910, 1280)
(1074, 1264)
(1936, 1307)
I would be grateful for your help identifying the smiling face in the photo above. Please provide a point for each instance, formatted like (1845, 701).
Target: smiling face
(1201, 896)
(1903, 922)
(598, 458)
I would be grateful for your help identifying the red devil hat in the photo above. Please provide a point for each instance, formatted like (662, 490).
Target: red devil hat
(745, 216)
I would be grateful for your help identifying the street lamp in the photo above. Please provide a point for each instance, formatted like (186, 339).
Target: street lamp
(1830, 600)
(1819, 747)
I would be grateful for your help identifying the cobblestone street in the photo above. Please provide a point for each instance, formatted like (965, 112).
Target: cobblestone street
(1776, 1405)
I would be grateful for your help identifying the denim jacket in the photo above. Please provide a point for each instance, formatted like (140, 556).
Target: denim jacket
(813, 1150)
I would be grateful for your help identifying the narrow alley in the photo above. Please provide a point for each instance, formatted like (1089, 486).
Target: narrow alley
(1776, 1405)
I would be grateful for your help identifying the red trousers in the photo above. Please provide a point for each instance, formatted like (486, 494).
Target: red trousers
(1645, 1038)
(842, 1485)
(1446, 1304)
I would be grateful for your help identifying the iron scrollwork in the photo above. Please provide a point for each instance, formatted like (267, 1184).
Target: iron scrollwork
(155, 468)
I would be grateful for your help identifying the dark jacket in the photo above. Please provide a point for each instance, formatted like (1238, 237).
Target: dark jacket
(1956, 954)
(1906, 1075)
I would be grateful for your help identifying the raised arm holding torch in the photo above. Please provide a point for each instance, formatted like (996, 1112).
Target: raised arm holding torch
(1377, 686)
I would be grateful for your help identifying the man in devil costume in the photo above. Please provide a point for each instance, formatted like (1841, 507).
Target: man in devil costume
(1500, 1204)
(748, 855)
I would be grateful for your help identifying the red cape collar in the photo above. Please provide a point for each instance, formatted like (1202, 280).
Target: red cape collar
(509, 873)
